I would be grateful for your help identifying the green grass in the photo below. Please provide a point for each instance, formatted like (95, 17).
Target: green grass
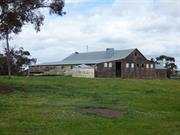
(52, 106)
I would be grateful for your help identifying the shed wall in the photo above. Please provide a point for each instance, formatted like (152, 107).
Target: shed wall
(139, 70)
(102, 71)
(161, 73)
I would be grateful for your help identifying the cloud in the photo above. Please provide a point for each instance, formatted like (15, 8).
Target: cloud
(170, 7)
(152, 26)
(75, 1)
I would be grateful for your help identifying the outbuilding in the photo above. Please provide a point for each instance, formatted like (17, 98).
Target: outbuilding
(130, 63)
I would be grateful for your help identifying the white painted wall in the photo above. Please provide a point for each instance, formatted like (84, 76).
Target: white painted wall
(83, 72)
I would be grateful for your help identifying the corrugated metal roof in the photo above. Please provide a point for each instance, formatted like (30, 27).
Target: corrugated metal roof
(92, 57)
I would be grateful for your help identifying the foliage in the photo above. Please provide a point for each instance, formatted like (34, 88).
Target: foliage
(19, 60)
(167, 58)
(169, 63)
(14, 14)
(52, 106)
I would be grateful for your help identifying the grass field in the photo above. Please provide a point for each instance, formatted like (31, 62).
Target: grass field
(52, 106)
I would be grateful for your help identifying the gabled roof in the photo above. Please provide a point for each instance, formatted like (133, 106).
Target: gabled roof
(92, 57)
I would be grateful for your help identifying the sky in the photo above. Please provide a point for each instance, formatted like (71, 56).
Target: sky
(152, 26)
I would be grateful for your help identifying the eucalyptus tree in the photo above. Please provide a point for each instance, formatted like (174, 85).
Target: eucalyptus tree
(20, 59)
(169, 63)
(14, 14)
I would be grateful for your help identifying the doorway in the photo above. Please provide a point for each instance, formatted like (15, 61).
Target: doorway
(118, 69)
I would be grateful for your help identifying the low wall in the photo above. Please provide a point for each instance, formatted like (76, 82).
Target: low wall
(87, 72)
(50, 70)
(83, 72)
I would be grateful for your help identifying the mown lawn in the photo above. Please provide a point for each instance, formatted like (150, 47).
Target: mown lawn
(52, 106)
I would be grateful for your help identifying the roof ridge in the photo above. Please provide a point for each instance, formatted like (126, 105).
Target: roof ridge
(105, 51)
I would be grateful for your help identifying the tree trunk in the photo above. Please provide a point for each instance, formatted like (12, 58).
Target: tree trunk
(8, 56)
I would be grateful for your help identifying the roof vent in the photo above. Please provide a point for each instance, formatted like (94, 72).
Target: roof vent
(76, 52)
(109, 52)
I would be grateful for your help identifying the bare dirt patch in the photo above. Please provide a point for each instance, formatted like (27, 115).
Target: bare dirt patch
(7, 89)
(104, 112)
(101, 101)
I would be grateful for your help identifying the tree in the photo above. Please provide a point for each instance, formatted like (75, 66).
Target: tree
(19, 60)
(169, 63)
(3, 64)
(152, 60)
(14, 14)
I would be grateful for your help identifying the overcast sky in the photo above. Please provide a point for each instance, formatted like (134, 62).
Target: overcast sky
(152, 26)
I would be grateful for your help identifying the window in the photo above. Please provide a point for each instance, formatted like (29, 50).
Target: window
(152, 66)
(147, 65)
(110, 64)
(135, 54)
(105, 64)
(132, 65)
(137, 65)
(142, 65)
(127, 65)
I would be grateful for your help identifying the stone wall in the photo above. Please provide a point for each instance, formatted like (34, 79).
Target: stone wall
(102, 71)
(139, 69)
(66, 70)
(50, 70)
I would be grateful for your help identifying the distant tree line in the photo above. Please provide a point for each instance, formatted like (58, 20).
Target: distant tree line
(19, 59)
